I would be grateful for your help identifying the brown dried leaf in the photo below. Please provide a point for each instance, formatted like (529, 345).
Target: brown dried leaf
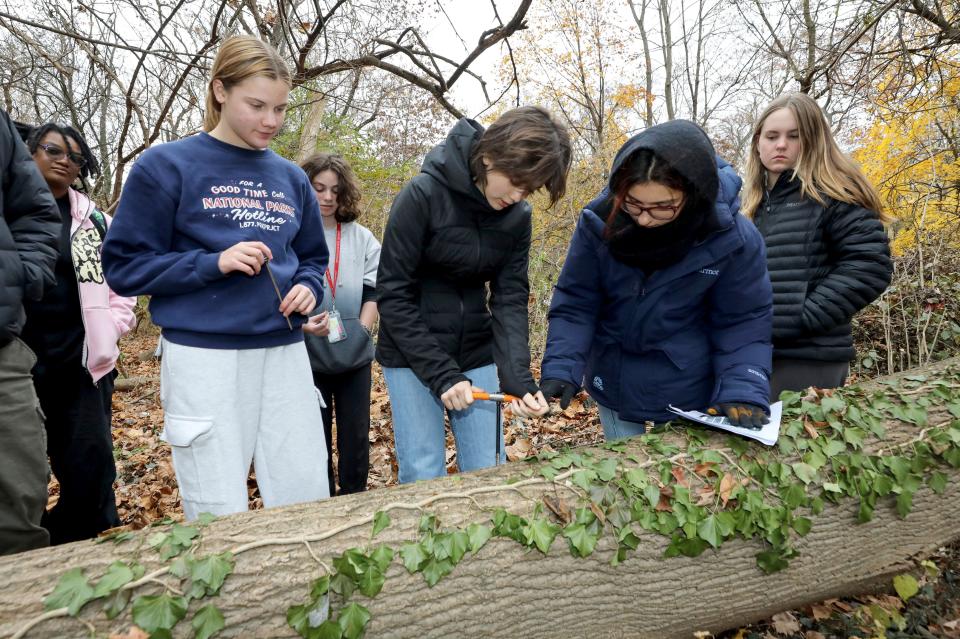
(559, 508)
(680, 476)
(705, 496)
(819, 612)
(784, 623)
(705, 469)
(727, 484)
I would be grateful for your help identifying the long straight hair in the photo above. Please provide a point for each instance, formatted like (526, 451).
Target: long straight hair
(239, 58)
(823, 169)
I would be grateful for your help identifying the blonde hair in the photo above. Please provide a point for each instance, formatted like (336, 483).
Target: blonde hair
(239, 58)
(823, 169)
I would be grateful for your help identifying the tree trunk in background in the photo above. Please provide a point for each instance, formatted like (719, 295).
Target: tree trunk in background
(311, 129)
(507, 590)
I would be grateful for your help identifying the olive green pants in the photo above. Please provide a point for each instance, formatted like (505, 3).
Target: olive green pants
(23, 454)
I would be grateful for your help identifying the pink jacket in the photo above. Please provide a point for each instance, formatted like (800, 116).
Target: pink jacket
(106, 315)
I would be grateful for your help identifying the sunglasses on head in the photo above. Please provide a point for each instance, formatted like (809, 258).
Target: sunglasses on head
(54, 152)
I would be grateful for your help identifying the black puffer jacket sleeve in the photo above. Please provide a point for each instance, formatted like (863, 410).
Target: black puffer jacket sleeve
(860, 252)
(398, 292)
(509, 296)
(33, 219)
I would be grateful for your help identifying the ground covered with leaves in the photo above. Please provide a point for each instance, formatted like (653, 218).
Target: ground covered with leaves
(921, 606)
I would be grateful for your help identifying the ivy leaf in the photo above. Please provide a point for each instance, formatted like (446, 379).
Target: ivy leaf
(478, 535)
(436, 569)
(179, 539)
(636, 477)
(865, 513)
(937, 482)
(793, 496)
(709, 531)
(428, 523)
(459, 544)
(687, 546)
(115, 603)
(205, 519)
(833, 447)
(804, 472)
(380, 521)
(320, 587)
(583, 478)
(652, 494)
(414, 556)
(906, 586)
(329, 629)
(770, 561)
(606, 469)
(802, 525)
(541, 533)
(118, 575)
(904, 503)
(71, 592)
(207, 622)
(382, 556)
(343, 585)
(582, 541)
(371, 581)
(898, 466)
(353, 619)
(158, 612)
(298, 618)
(212, 571)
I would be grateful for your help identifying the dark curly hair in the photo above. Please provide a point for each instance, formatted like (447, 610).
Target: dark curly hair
(91, 167)
(348, 194)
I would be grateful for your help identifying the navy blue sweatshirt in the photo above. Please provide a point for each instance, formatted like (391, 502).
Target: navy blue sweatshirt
(184, 203)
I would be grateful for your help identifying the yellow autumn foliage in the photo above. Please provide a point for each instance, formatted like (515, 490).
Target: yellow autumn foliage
(911, 152)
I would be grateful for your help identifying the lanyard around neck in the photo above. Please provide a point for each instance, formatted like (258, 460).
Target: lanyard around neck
(336, 268)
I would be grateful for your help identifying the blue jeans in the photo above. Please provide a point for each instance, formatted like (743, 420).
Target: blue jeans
(616, 428)
(418, 428)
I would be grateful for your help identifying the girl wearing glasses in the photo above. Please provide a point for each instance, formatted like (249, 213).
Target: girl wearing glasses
(73, 331)
(226, 238)
(827, 250)
(664, 297)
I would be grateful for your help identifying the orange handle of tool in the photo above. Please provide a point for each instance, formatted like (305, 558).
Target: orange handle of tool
(496, 397)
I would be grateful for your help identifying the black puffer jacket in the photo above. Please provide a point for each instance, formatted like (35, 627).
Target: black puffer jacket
(29, 231)
(825, 263)
(443, 243)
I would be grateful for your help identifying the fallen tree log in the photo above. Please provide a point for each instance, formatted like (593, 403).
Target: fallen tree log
(660, 536)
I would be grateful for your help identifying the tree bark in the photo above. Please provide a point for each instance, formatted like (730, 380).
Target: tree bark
(506, 590)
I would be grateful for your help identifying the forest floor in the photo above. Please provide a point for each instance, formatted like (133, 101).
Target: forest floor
(147, 492)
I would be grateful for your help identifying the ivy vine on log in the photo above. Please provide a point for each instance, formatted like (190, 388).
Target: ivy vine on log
(674, 508)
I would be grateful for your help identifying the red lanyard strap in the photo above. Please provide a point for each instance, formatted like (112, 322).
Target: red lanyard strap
(336, 268)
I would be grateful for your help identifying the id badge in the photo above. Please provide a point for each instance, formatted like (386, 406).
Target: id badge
(337, 332)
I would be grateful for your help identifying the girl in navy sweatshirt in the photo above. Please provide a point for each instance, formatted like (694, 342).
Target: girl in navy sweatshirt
(226, 238)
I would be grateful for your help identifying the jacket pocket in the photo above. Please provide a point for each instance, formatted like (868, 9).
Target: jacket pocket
(679, 376)
(196, 454)
(101, 336)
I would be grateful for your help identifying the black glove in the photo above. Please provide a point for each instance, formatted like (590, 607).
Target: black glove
(558, 388)
(742, 414)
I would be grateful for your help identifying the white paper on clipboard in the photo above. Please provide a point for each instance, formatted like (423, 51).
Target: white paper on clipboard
(767, 435)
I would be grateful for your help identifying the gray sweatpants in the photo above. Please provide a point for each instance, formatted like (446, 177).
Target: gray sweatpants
(224, 408)
(23, 453)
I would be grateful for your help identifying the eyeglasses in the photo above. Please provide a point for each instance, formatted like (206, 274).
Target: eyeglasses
(54, 152)
(660, 212)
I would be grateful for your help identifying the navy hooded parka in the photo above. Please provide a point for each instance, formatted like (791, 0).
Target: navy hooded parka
(692, 334)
